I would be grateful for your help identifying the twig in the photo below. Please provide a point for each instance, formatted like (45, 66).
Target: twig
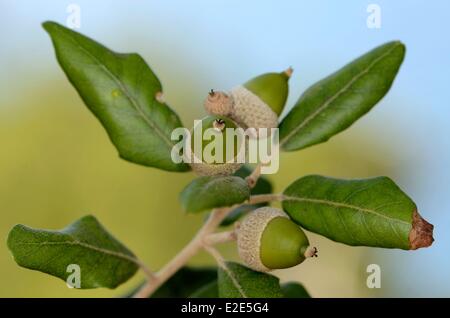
(147, 271)
(252, 179)
(216, 255)
(218, 238)
(184, 255)
(203, 239)
(196, 244)
(262, 198)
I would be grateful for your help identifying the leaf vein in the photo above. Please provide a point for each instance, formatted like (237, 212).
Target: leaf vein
(234, 280)
(364, 222)
(335, 96)
(342, 205)
(85, 245)
(135, 104)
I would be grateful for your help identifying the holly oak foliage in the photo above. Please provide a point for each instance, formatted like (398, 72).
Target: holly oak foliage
(125, 95)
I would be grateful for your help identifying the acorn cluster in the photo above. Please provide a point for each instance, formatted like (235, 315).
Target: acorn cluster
(267, 238)
(255, 104)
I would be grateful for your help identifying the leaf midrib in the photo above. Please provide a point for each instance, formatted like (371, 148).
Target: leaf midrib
(136, 105)
(234, 280)
(85, 245)
(205, 189)
(342, 205)
(328, 102)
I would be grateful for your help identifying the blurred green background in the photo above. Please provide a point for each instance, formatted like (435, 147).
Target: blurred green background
(57, 164)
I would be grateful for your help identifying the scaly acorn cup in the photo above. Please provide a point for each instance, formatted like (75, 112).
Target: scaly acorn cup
(267, 239)
(255, 104)
(212, 137)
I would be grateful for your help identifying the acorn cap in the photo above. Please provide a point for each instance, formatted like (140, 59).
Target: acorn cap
(250, 233)
(250, 111)
(267, 239)
(218, 103)
(226, 166)
(271, 88)
(225, 169)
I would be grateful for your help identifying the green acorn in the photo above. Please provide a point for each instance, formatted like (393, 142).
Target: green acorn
(267, 239)
(255, 104)
(223, 152)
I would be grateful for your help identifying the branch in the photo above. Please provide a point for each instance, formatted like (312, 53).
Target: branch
(147, 271)
(217, 256)
(204, 238)
(262, 198)
(184, 255)
(252, 179)
(221, 237)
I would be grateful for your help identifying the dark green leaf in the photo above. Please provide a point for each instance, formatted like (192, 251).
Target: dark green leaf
(294, 290)
(335, 102)
(370, 212)
(213, 192)
(183, 284)
(103, 261)
(186, 281)
(263, 186)
(210, 290)
(237, 281)
(123, 93)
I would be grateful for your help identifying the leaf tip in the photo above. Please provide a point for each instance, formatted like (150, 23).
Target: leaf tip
(397, 42)
(402, 46)
(14, 229)
(48, 25)
(399, 45)
(421, 234)
(11, 240)
(89, 217)
(10, 237)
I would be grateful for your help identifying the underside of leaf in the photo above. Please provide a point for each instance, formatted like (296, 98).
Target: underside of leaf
(103, 260)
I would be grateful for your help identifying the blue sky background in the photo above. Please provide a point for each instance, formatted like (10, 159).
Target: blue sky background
(197, 45)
